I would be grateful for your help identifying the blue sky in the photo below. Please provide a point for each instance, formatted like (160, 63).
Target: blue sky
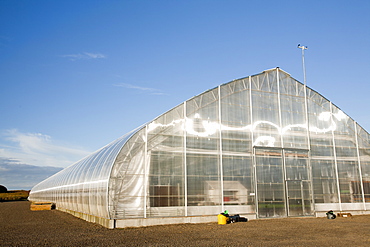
(76, 75)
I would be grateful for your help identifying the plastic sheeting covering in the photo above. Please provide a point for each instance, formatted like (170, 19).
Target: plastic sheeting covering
(265, 145)
(83, 186)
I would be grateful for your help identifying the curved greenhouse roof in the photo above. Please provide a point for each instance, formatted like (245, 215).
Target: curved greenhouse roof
(263, 146)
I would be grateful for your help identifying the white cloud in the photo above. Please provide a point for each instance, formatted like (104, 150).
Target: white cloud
(85, 55)
(94, 55)
(126, 85)
(38, 149)
(17, 176)
(158, 93)
(149, 90)
(3, 169)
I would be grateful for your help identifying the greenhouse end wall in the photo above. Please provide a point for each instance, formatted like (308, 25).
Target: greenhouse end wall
(262, 146)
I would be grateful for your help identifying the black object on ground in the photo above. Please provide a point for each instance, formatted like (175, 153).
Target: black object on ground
(234, 218)
(237, 218)
(330, 215)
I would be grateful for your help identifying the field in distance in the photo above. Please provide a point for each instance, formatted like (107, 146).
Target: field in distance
(14, 195)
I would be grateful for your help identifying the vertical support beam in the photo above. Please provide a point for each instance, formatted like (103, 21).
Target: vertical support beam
(220, 149)
(279, 108)
(307, 117)
(302, 194)
(309, 167)
(285, 183)
(252, 148)
(185, 165)
(146, 175)
(251, 110)
(359, 167)
(283, 162)
(335, 159)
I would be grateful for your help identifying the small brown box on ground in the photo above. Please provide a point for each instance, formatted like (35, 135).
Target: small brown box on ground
(36, 206)
(344, 215)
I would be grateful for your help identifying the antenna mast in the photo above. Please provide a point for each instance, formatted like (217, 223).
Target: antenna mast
(302, 47)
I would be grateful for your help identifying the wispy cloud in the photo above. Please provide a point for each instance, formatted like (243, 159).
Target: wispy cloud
(17, 176)
(84, 56)
(152, 91)
(37, 149)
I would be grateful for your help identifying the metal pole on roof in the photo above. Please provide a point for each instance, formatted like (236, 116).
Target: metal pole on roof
(302, 47)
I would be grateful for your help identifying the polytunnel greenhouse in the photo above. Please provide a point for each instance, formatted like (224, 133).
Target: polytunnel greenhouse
(262, 146)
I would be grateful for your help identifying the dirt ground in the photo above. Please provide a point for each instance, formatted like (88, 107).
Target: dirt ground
(21, 227)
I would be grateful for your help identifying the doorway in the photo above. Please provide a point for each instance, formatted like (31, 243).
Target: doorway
(270, 183)
(283, 183)
(297, 183)
(298, 198)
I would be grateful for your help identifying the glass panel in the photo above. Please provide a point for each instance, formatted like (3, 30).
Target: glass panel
(235, 116)
(344, 135)
(298, 183)
(266, 129)
(202, 123)
(296, 165)
(289, 86)
(266, 81)
(202, 148)
(166, 180)
(293, 113)
(324, 181)
(365, 167)
(238, 180)
(270, 183)
(294, 194)
(299, 198)
(321, 126)
(349, 181)
(364, 150)
(307, 198)
(203, 180)
(265, 126)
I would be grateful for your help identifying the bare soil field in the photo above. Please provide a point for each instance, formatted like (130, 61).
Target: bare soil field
(22, 227)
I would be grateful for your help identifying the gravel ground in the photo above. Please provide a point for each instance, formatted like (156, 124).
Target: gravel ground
(21, 227)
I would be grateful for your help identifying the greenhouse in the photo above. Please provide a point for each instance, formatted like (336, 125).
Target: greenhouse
(262, 146)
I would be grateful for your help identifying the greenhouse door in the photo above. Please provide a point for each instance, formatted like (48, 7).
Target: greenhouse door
(298, 197)
(282, 183)
(270, 183)
(297, 183)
